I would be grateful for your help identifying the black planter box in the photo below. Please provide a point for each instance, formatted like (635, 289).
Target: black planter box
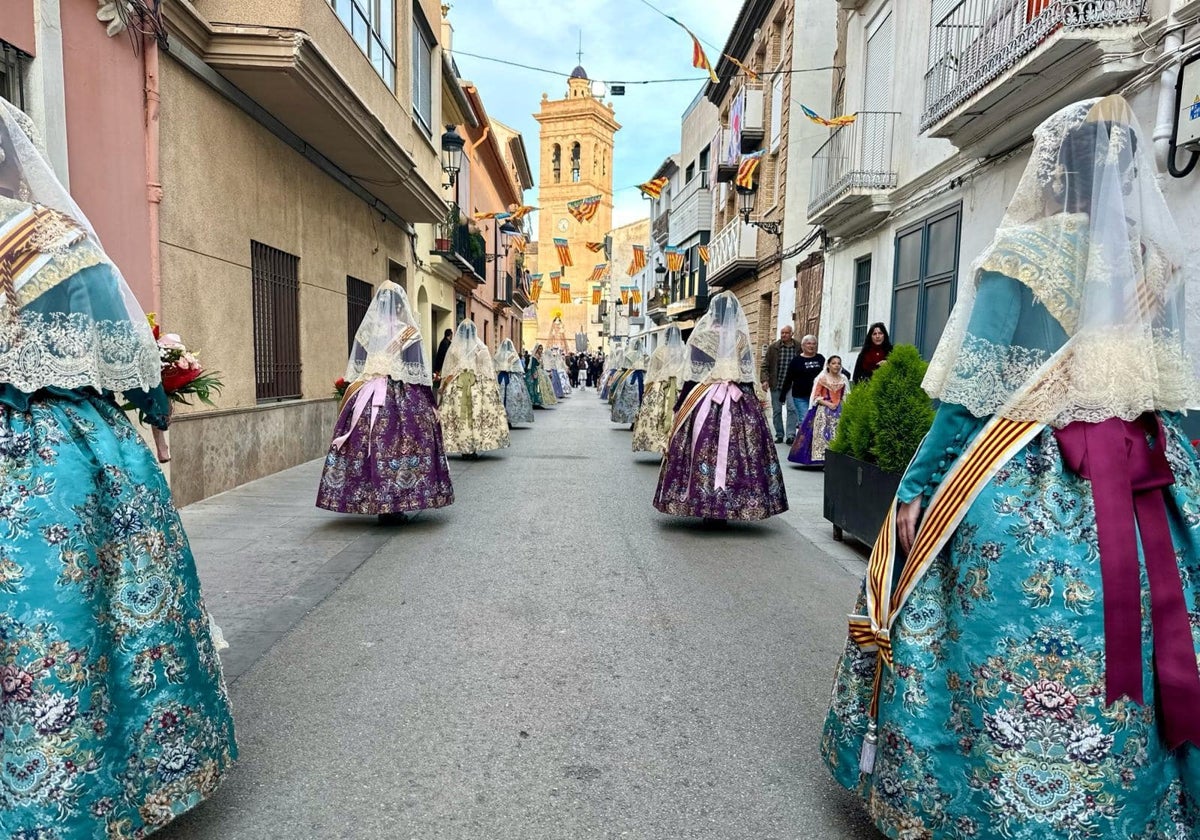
(857, 496)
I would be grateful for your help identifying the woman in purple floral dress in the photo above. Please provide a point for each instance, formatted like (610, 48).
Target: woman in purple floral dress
(721, 462)
(387, 457)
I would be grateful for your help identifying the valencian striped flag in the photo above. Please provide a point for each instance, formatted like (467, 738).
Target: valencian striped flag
(494, 215)
(594, 247)
(625, 294)
(521, 212)
(636, 295)
(654, 188)
(746, 167)
(674, 259)
(749, 73)
(535, 288)
(595, 295)
(555, 282)
(584, 210)
(598, 272)
(639, 260)
(564, 252)
(564, 295)
(699, 59)
(518, 243)
(702, 250)
(845, 119)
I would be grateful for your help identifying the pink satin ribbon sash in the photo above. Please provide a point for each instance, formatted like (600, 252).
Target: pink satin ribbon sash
(723, 394)
(1128, 476)
(373, 393)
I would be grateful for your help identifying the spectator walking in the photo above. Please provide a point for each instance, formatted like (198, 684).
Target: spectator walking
(797, 384)
(779, 355)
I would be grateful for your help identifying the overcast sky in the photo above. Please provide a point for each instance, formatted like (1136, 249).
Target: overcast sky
(623, 40)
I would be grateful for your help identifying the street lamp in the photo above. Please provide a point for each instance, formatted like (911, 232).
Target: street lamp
(452, 149)
(746, 197)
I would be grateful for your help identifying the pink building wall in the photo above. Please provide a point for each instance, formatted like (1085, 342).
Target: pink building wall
(16, 24)
(107, 142)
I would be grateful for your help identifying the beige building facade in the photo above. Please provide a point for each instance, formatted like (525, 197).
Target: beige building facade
(300, 163)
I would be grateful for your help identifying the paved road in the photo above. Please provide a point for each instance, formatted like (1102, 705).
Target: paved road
(547, 658)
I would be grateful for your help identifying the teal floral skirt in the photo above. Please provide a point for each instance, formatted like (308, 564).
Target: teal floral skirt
(993, 723)
(113, 712)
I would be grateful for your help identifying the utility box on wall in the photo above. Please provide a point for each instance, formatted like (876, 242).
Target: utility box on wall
(1188, 130)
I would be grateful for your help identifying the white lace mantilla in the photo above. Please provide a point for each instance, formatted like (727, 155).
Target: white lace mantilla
(1093, 378)
(70, 350)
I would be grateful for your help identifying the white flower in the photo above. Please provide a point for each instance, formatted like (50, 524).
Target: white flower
(110, 14)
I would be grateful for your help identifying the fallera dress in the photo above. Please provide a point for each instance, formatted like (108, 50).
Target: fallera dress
(1026, 680)
(387, 454)
(541, 379)
(510, 376)
(721, 461)
(469, 405)
(630, 385)
(664, 376)
(819, 426)
(114, 717)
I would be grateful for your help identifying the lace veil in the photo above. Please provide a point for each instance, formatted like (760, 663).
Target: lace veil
(468, 352)
(388, 341)
(635, 356)
(719, 347)
(61, 324)
(507, 358)
(1089, 237)
(669, 360)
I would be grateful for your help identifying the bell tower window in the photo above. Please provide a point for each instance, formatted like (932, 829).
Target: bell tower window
(575, 162)
(556, 162)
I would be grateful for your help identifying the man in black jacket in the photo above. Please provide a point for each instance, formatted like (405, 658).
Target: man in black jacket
(440, 357)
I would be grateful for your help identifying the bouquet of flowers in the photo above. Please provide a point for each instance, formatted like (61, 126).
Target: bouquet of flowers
(339, 387)
(182, 373)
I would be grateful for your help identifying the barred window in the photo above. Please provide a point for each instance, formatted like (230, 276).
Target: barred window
(862, 300)
(12, 67)
(275, 278)
(358, 301)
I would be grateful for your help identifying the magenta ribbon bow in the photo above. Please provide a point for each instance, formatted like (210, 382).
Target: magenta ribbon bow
(371, 392)
(1128, 475)
(722, 394)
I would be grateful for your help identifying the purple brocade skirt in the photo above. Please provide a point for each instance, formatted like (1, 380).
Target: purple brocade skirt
(753, 483)
(817, 431)
(396, 465)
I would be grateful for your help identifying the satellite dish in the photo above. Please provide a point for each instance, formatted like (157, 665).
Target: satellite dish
(599, 89)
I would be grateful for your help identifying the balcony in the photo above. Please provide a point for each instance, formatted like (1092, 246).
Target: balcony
(999, 67)
(660, 228)
(465, 248)
(753, 126)
(696, 304)
(732, 253)
(853, 174)
(692, 210)
(724, 154)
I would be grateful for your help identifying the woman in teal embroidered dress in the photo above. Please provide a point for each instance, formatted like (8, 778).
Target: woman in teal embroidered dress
(113, 713)
(1043, 684)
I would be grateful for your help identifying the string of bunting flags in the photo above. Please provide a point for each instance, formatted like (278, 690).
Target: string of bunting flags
(639, 260)
(564, 252)
(584, 209)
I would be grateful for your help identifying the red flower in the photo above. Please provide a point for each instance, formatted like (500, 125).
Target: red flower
(174, 378)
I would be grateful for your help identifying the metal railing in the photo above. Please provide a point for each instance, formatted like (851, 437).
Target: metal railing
(468, 248)
(857, 156)
(980, 39)
(275, 292)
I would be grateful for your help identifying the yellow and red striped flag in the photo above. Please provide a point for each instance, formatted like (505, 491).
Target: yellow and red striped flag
(750, 73)
(584, 209)
(674, 259)
(598, 272)
(639, 260)
(636, 295)
(595, 295)
(555, 282)
(624, 294)
(518, 243)
(564, 252)
(836, 122)
(535, 289)
(703, 252)
(746, 168)
(564, 295)
(699, 59)
(521, 212)
(653, 188)
(594, 247)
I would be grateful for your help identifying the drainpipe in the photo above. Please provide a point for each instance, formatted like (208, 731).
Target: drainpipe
(1166, 90)
(154, 190)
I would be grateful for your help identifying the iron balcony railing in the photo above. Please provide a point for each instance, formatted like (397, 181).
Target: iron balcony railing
(857, 156)
(980, 39)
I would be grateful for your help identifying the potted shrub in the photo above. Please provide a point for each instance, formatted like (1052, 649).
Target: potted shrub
(445, 230)
(883, 423)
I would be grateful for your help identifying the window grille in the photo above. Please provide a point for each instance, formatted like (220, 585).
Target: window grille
(275, 278)
(358, 301)
(862, 300)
